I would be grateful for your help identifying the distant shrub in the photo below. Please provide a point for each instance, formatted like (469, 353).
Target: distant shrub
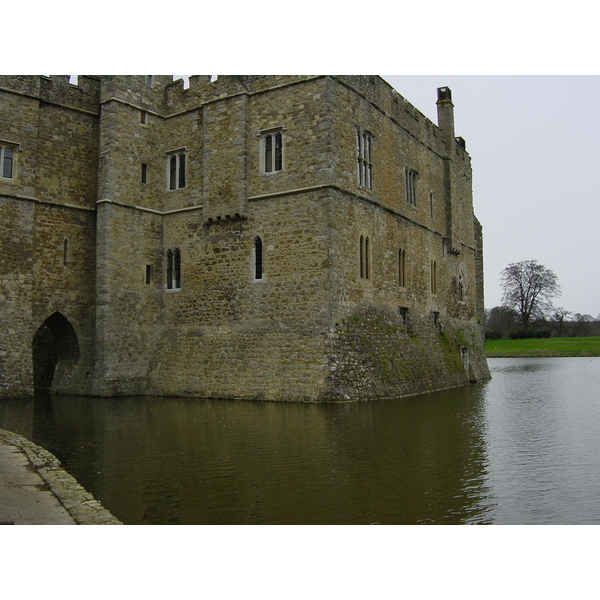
(523, 335)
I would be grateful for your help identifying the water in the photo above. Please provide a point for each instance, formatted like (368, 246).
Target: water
(522, 448)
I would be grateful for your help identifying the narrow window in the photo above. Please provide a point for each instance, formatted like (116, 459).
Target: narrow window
(181, 179)
(144, 173)
(431, 203)
(433, 275)
(149, 80)
(169, 270)
(172, 172)
(258, 258)
(272, 151)
(176, 170)
(173, 269)
(361, 250)
(278, 152)
(143, 117)
(364, 258)
(65, 251)
(402, 267)
(7, 162)
(148, 274)
(461, 288)
(177, 269)
(404, 313)
(364, 150)
(411, 186)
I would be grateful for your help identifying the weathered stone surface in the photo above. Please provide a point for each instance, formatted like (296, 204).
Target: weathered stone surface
(87, 237)
(80, 505)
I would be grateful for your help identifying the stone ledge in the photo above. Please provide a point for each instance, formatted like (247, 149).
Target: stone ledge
(79, 503)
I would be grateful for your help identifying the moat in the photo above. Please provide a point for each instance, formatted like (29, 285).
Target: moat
(522, 448)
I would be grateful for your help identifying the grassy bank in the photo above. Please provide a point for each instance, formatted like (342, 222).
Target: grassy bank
(566, 346)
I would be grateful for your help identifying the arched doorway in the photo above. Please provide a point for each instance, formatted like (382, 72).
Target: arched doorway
(55, 345)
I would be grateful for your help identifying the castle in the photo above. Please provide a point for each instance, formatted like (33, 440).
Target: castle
(292, 238)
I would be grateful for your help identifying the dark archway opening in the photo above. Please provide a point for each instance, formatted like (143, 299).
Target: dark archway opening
(55, 345)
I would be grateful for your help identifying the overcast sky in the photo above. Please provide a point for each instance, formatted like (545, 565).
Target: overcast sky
(533, 142)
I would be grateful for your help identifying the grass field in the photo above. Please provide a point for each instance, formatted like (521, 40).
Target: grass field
(565, 346)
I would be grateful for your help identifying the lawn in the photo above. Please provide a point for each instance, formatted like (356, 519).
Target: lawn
(563, 346)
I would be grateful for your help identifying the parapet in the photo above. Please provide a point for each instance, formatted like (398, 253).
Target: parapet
(57, 89)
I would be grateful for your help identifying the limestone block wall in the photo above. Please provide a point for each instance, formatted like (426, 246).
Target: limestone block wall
(16, 294)
(227, 334)
(48, 224)
(129, 299)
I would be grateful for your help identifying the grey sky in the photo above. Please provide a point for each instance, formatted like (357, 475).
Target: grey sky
(533, 141)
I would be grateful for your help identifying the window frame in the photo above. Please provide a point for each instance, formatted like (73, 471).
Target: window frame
(176, 169)
(173, 274)
(411, 177)
(272, 151)
(258, 260)
(402, 267)
(13, 149)
(433, 277)
(364, 259)
(364, 158)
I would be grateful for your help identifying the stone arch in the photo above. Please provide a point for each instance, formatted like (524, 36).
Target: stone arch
(55, 348)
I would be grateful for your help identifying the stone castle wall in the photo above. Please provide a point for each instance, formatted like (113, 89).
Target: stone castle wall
(101, 218)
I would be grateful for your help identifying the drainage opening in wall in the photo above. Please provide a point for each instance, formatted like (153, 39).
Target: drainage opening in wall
(55, 349)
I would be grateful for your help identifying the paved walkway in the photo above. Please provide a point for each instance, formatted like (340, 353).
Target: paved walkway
(35, 490)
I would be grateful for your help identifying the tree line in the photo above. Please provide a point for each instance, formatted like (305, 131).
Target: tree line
(527, 309)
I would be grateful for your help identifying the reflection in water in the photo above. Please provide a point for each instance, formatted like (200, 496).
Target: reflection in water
(514, 450)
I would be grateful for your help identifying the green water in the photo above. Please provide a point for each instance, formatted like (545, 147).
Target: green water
(522, 448)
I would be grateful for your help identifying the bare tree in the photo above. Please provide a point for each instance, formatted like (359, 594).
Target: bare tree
(559, 316)
(529, 288)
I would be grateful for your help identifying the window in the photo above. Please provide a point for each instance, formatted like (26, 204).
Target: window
(148, 274)
(431, 203)
(411, 186)
(364, 257)
(176, 167)
(7, 162)
(433, 276)
(272, 151)
(143, 117)
(173, 269)
(402, 267)
(461, 288)
(258, 258)
(65, 251)
(149, 80)
(364, 158)
(144, 173)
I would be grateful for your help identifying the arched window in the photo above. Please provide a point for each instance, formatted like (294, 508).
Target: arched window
(272, 151)
(173, 269)
(362, 256)
(402, 267)
(176, 170)
(258, 258)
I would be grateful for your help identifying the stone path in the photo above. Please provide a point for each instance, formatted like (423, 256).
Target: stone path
(35, 490)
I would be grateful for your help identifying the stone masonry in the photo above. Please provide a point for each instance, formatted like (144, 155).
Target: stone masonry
(292, 238)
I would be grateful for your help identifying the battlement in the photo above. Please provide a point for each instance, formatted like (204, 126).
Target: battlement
(56, 89)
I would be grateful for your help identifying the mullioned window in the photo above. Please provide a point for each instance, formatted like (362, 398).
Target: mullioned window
(364, 159)
(7, 161)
